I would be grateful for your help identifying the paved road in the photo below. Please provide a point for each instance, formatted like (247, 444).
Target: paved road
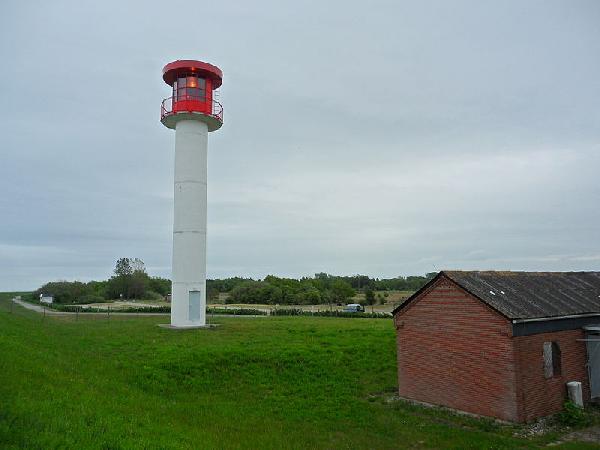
(31, 306)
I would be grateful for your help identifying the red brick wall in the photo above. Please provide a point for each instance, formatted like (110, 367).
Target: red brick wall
(454, 350)
(540, 396)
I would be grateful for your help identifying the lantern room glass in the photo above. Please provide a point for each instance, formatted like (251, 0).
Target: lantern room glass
(189, 87)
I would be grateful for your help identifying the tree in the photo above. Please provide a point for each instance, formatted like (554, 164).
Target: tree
(137, 265)
(309, 296)
(369, 297)
(123, 267)
(247, 292)
(212, 294)
(130, 279)
(65, 292)
(138, 284)
(341, 291)
(160, 285)
(117, 286)
(139, 280)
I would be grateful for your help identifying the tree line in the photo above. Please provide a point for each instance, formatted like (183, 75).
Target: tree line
(323, 288)
(130, 280)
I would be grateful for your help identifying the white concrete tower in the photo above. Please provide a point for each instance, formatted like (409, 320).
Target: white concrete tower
(192, 112)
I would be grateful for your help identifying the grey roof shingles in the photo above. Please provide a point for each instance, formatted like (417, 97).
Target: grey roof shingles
(531, 295)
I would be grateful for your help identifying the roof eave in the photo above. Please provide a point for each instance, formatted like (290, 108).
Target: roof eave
(456, 283)
(549, 318)
(416, 294)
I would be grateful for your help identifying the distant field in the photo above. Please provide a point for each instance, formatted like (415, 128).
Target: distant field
(386, 302)
(390, 300)
(260, 383)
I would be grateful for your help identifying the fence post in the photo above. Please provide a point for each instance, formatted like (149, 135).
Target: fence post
(108, 312)
(77, 313)
(12, 302)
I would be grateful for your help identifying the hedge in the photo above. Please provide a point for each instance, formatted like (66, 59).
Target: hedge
(350, 315)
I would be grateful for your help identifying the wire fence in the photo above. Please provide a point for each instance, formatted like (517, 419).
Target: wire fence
(8, 306)
(15, 304)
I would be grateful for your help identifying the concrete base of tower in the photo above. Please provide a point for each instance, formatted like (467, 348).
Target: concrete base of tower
(191, 327)
(188, 300)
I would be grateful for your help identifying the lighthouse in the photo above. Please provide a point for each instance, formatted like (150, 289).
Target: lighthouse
(192, 111)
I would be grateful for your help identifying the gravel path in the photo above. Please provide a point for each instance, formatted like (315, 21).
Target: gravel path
(40, 309)
(590, 435)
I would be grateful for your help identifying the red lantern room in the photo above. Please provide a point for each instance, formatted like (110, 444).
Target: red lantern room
(194, 94)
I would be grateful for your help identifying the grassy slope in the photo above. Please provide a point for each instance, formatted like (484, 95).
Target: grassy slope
(251, 383)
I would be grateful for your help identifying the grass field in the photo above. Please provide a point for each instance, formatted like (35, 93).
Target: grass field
(390, 300)
(261, 383)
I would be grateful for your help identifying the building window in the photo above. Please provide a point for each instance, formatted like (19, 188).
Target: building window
(552, 360)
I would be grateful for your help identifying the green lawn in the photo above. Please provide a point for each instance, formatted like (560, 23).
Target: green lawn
(262, 383)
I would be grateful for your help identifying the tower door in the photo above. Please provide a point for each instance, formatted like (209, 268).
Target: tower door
(194, 306)
(593, 350)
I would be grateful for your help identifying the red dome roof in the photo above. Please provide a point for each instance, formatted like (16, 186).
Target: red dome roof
(185, 66)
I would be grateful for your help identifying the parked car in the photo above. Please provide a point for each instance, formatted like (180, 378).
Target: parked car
(354, 308)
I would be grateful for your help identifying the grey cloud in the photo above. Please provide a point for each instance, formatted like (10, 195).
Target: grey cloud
(398, 138)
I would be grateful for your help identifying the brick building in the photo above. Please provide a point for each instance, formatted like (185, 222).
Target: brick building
(500, 344)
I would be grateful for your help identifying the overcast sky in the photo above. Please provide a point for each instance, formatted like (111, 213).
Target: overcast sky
(383, 138)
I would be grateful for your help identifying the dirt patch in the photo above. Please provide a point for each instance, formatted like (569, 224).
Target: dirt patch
(590, 435)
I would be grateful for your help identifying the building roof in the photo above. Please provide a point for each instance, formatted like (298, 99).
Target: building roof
(528, 295)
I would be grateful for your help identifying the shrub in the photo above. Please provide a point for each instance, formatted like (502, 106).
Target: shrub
(349, 315)
(487, 425)
(250, 292)
(90, 298)
(236, 311)
(151, 295)
(143, 309)
(162, 286)
(573, 416)
(157, 309)
(63, 291)
(146, 309)
(64, 308)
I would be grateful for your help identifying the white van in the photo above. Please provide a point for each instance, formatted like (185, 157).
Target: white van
(354, 308)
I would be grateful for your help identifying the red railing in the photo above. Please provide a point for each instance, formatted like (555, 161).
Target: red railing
(190, 103)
